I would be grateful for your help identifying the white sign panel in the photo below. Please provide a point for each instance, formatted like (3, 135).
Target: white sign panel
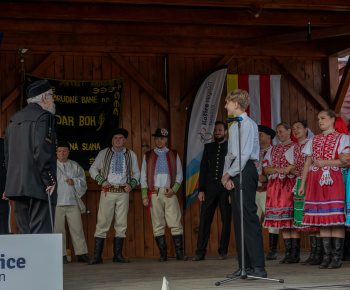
(31, 262)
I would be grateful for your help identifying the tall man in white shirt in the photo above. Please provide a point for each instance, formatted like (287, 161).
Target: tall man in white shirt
(116, 169)
(236, 103)
(161, 177)
(70, 178)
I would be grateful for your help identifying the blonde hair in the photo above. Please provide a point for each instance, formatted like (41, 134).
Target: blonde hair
(285, 125)
(239, 96)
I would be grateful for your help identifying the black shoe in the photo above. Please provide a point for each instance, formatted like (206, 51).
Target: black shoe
(337, 253)
(83, 258)
(97, 259)
(273, 241)
(288, 245)
(223, 257)
(327, 252)
(239, 272)
(198, 258)
(65, 260)
(118, 248)
(295, 255)
(313, 249)
(259, 272)
(161, 243)
(179, 248)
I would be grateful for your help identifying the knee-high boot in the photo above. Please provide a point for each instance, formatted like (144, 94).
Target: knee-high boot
(97, 259)
(313, 248)
(295, 255)
(288, 245)
(337, 253)
(161, 243)
(327, 252)
(118, 247)
(273, 241)
(179, 248)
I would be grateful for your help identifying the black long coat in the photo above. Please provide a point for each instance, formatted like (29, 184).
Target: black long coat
(30, 153)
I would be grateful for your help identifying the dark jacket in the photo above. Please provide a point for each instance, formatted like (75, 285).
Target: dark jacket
(212, 166)
(30, 153)
(2, 170)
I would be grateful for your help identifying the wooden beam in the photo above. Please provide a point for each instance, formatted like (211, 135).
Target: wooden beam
(187, 99)
(342, 90)
(133, 73)
(333, 73)
(299, 36)
(340, 5)
(302, 83)
(147, 14)
(37, 71)
(339, 46)
(341, 71)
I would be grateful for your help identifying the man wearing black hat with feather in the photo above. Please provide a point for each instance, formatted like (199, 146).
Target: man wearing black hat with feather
(116, 169)
(30, 157)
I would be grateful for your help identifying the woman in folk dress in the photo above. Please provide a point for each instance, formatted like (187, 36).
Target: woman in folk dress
(325, 193)
(279, 196)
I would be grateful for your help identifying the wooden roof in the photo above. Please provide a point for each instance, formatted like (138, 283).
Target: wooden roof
(259, 27)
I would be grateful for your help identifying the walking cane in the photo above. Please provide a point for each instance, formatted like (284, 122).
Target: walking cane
(50, 209)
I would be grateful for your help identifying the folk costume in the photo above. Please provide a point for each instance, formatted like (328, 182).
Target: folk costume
(30, 156)
(67, 205)
(279, 197)
(211, 168)
(260, 198)
(161, 169)
(254, 249)
(118, 168)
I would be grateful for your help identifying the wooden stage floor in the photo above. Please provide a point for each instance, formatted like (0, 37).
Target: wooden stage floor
(147, 274)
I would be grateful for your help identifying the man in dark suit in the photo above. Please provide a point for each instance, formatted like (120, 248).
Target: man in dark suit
(4, 204)
(212, 192)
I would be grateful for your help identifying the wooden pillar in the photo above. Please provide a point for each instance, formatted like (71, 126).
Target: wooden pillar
(174, 104)
(333, 72)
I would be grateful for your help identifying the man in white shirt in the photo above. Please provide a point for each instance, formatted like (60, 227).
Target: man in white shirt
(116, 169)
(70, 178)
(236, 104)
(161, 177)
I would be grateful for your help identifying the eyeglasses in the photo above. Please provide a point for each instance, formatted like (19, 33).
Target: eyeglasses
(53, 96)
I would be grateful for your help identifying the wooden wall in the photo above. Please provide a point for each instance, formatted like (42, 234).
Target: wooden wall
(141, 115)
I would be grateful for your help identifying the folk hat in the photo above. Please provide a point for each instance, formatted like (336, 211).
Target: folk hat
(267, 130)
(121, 131)
(63, 144)
(37, 88)
(161, 132)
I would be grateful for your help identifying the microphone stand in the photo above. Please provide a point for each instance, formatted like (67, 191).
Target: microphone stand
(243, 274)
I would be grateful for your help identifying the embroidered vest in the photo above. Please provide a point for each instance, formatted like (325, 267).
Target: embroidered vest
(278, 159)
(106, 163)
(299, 158)
(151, 161)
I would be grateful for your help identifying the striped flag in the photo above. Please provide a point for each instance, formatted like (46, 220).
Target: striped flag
(265, 96)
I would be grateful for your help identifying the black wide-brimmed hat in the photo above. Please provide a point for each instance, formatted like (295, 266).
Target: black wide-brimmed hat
(116, 131)
(267, 130)
(63, 144)
(161, 132)
(37, 88)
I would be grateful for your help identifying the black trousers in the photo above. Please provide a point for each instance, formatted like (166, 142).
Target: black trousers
(212, 198)
(4, 217)
(253, 241)
(33, 215)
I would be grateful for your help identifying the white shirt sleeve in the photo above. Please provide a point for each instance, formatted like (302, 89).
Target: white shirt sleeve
(135, 167)
(307, 150)
(143, 179)
(97, 165)
(179, 174)
(344, 144)
(79, 180)
(289, 154)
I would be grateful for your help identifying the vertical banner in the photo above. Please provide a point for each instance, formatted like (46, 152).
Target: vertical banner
(85, 113)
(201, 119)
(265, 97)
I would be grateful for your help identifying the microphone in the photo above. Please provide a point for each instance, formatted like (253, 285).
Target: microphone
(237, 119)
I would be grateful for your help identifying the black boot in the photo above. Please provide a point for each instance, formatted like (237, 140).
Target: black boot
(273, 241)
(313, 247)
(337, 253)
(319, 252)
(295, 255)
(346, 251)
(83, 258)
(327, 252)
(97, 259)
(161, 243)
(288, 245)
(179, 248)
(117, 249)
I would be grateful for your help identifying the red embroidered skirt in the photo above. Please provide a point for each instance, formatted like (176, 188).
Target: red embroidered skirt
(279, 211)
(324, 205)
